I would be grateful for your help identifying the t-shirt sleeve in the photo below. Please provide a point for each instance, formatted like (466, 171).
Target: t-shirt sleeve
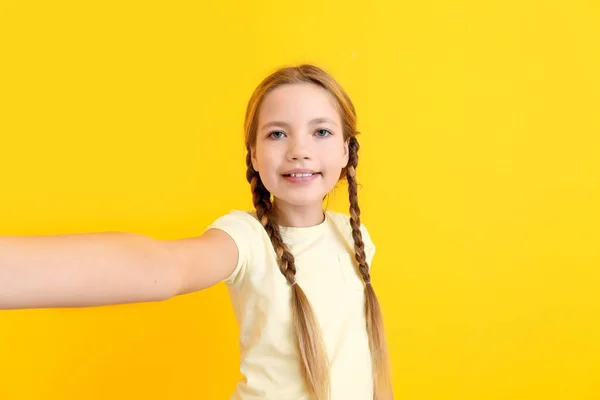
(369, 245)
(238, 225)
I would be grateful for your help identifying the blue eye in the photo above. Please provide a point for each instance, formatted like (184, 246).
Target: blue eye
(325, 131)
(276, 134)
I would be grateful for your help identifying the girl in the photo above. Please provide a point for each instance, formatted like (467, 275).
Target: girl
(298, 276)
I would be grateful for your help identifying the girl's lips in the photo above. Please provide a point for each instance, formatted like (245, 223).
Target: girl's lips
(301, 179)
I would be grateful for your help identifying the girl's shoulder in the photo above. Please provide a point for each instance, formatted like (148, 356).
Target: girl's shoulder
(244, 217)
(343, 225)
(247, 233)
(241, 225)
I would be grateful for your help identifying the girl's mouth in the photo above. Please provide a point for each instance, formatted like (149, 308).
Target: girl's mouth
(301, 178)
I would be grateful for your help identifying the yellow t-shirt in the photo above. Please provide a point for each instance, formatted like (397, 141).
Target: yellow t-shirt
(261, 298)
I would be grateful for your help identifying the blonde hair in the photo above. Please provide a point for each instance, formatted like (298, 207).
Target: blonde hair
(309, 342)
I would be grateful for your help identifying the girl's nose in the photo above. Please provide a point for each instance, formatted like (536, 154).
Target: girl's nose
(298, 150)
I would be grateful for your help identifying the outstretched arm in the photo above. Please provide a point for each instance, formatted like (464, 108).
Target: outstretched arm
(93, 269)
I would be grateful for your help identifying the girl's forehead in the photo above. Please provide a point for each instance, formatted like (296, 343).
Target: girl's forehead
(297, 103)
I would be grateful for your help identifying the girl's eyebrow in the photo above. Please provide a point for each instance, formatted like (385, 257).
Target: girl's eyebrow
(319, 120)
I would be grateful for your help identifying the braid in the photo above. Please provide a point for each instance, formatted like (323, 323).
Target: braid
(314, 365)
(264, 207)
(359, 246)
(377, 342)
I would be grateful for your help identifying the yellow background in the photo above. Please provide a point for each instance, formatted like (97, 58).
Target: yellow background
(480, 166)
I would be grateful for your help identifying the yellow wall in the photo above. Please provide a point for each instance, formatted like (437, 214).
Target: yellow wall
(479, 163)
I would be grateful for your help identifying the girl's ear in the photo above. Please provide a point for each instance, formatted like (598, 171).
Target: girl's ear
(253, 158)
(346, 153)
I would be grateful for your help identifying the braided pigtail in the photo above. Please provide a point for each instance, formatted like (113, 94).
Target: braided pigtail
(307, 335)
(379, 354)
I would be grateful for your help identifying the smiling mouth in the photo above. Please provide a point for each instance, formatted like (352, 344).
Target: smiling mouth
(302, 175)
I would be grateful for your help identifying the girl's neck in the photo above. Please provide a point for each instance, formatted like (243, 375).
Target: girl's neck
(290, 215)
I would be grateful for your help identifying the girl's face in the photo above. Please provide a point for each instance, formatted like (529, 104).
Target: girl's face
(300, 149)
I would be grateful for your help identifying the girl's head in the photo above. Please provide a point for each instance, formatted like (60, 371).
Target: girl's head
(299, 130)
(299, 119)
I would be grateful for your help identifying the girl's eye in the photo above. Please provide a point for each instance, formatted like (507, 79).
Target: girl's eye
(323, 133)
(276, 134)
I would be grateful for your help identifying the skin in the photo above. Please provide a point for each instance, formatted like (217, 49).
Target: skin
(288, 137)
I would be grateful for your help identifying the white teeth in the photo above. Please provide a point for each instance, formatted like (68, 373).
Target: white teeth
(300, 175)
